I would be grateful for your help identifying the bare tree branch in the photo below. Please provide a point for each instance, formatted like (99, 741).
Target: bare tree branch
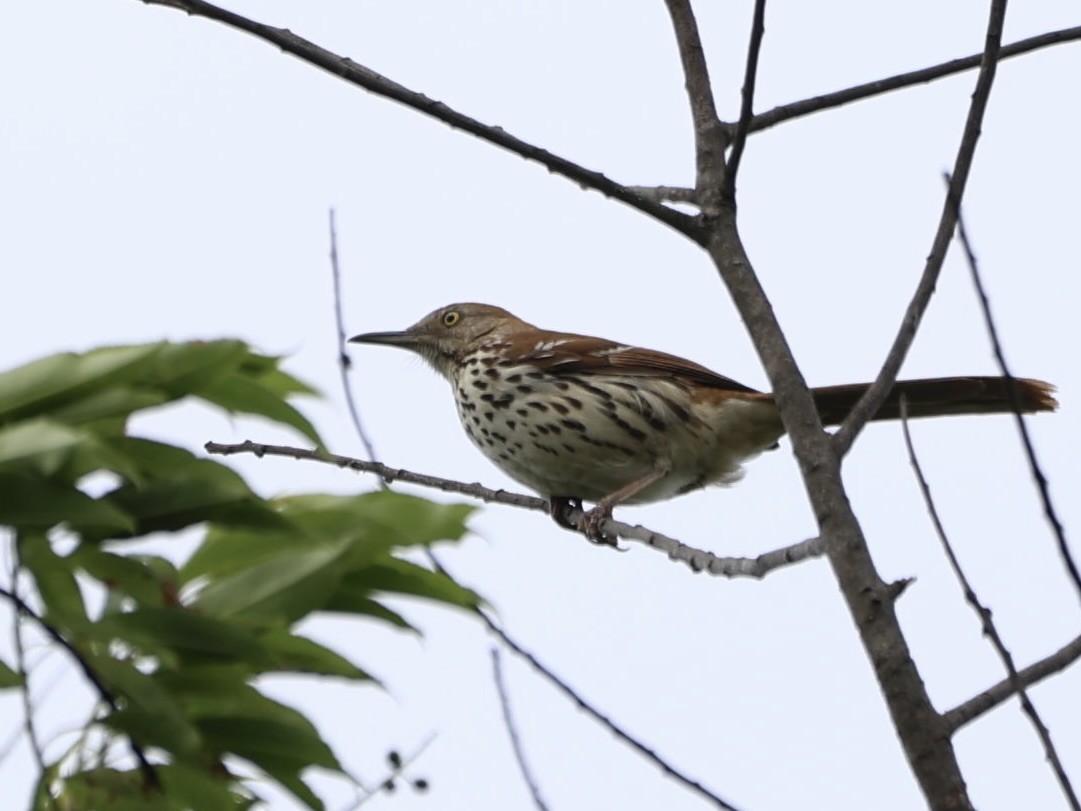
(1030, 451)
(512, 731)
(698, 560)
(604, 720)
(828, 101)
(746, 113)
(345, 363)
(871, 602)
(581, 703)
(1003, 690)
(987, 624)
(887, 376)
(356, 74)
(710, 135)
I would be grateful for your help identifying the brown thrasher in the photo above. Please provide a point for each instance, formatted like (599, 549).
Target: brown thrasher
(578, 418)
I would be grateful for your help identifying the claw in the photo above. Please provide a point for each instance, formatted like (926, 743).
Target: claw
(592, 523)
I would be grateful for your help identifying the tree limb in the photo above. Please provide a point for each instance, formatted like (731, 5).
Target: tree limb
(359, 75)
(876, 395)
(710, 135)
(1022, 427)
(828, 101)
(996, 694)
(746, 113)
(987, 623)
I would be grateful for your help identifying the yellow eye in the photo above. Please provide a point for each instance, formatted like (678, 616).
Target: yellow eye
(451, 317)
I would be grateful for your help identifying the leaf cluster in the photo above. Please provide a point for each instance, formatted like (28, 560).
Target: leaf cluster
(175, 649)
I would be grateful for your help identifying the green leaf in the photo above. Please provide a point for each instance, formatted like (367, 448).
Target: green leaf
(298, 654)
(132, 575)
(180, 489)
(185, 368)
(279, 748)
(230, 549)
(109, 407)
(60, 594)
(149, 712)
(244, 395)
(200, 790)
(51, 383)
(347, 601)
(193, 637)
(33, 502)
(402, 577)
(9, 678)
(400, 519)
(284, 588)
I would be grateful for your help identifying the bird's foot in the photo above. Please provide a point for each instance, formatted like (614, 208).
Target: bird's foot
(590, 524)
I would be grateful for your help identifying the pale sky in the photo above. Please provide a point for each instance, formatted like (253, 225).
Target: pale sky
(164, 177)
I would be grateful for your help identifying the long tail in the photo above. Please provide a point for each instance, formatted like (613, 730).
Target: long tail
(939, 397)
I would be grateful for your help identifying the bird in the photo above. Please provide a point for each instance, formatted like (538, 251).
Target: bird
(582, 419)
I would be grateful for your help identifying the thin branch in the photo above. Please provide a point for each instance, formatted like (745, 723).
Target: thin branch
(998, 693)
(876, 395)
(150, 775)
(987, 624)
(361, 76)
(21, 669)
(798, 109)
(604, 720)
(698, 560)
(710, 135)
(395, 771)
(1030, 451)
(584, 705)
(345, 363)
(746, 113)
(512, 731)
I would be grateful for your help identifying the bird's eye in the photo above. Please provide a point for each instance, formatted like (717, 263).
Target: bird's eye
(451, 317)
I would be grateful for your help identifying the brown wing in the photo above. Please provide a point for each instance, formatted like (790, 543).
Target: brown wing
(576, 354)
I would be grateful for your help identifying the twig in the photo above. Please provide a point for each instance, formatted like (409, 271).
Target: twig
(361, 76)
(604, 720)
(584, 705)
(993, 696)
(1030, 451)
(746, 113)
(345, 363)
(698, 560)
(21, 669)
(150, 775)
(396, 771)
(798, 109)
(876, 395)
(987, 624)
(710, 135)
(512, 731)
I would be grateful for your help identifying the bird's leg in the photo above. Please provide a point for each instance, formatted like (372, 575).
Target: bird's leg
(591, 522)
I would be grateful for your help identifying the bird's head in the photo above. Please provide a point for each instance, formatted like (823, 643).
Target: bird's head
(445, 336)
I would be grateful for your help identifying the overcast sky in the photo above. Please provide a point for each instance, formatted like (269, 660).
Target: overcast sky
(165, 177)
